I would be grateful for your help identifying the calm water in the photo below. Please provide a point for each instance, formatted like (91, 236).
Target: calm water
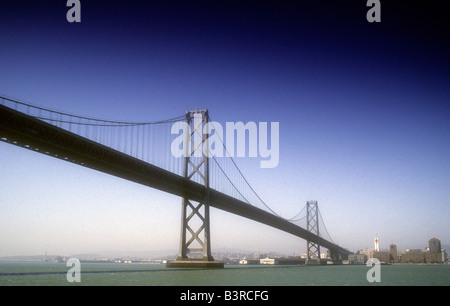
(232, 275)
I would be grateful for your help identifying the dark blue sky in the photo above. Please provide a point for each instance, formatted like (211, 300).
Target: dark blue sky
(363, 107)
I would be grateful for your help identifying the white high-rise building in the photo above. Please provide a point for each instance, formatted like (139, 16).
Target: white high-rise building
(377, 244)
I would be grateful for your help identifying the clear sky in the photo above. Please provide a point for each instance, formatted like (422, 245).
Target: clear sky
(363, 110)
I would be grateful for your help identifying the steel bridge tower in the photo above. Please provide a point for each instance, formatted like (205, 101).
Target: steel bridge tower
(312, 225)
(195, 223)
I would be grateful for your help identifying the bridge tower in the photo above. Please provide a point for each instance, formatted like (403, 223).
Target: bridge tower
(195, 223)
(312, 225)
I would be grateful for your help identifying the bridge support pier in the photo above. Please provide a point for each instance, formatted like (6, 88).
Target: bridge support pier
(335, 256)
(195, 215)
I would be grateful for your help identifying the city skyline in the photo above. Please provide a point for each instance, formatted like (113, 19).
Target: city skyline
(172, 254)
(362, 108)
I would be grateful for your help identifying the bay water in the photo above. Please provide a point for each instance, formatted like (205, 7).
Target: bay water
(120, 274)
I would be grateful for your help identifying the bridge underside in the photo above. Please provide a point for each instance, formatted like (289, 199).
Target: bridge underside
(25, 131)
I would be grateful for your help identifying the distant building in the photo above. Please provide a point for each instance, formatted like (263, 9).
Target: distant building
(414, 256)
(434, 254)
(363, 255)
(393, 253)
(434, 245)
(357, 259)
(377, 244)
(367, 252)
(268, 261)
(382, 256)
(249, 261)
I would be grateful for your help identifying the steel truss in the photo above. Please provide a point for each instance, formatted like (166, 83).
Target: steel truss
(312, 225)
(196, 167)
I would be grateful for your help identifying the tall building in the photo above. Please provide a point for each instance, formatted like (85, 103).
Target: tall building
(435, 245)
(435, 255)
(377, 244)
(393, 252)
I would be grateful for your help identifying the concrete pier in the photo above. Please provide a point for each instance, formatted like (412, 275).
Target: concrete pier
(313, 262)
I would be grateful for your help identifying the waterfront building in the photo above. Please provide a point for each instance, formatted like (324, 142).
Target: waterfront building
(357, 259)
(367, 252)
(433, 254)
(436, 254)
(414, 256)
(382, 256)
(393, 253)
(434, 245)
(268, 261)
(377, 244)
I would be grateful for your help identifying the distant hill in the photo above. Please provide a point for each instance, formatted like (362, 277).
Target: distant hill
(32, 258)
(109, 255)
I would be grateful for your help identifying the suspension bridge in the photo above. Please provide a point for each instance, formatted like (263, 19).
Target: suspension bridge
(141, 152)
